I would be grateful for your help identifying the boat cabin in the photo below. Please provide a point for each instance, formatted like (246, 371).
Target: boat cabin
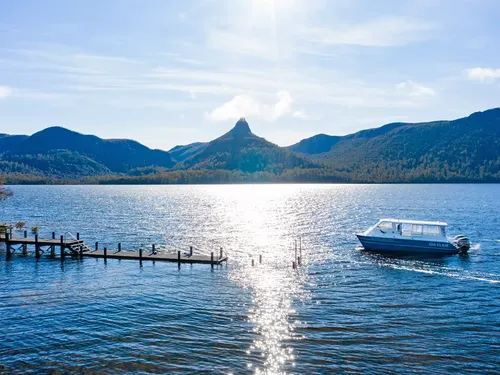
(408, 228)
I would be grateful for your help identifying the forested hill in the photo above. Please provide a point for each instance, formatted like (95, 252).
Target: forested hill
(458, 150)
(59, 152)
(463, 150)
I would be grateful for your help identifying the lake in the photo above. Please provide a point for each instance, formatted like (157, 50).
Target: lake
(344, 311)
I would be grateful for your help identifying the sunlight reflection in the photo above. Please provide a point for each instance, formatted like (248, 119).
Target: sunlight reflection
(268, 230)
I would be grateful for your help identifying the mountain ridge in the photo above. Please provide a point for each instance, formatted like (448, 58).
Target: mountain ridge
(465, 149)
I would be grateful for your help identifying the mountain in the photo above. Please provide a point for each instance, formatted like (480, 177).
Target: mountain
(240, 149)
(467, 148)
(318, 144)
(60, 152)
(8, 141)
(181, 153)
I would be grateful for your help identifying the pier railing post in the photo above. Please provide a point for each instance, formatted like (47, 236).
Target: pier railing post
(154, 250)
(62, 247)
(212, 259)
(179, 258)
(96, 246)
(53, 235)
(119, 246)
(37, 247)
(190, 250)
(78, 236)
(140, 255)
(105, 252)
(25, 234)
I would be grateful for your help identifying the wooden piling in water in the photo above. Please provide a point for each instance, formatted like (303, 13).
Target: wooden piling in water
(153, 249)
(190, 250)
(37, 247)
(53, 250)
(25, 234)
(7, 244)
(119, 246)
(212, 259)
(96, 246)
(105, 252)
(62, 247)
(78, 236)
(53, 235)
(140, 255)
(179, 258)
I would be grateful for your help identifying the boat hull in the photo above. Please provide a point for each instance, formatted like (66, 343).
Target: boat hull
(396, 245)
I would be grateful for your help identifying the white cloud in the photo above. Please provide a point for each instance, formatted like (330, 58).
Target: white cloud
(485, 75)
(386, 32)
(300, 114)
(5, 91)
(415, 89)
(248, 106)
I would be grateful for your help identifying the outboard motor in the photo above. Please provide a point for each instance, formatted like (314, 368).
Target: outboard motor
(462, 243)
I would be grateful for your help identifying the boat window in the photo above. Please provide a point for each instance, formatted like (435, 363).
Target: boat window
(432, 230)
(406, 229)
(417, 229)
(385, 225)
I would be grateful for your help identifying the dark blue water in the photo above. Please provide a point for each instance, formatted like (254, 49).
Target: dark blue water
(343, 311)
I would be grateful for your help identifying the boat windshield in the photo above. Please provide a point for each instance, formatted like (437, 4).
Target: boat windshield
(384, 225)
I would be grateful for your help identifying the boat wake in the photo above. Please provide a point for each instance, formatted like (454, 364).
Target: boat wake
(490, 278)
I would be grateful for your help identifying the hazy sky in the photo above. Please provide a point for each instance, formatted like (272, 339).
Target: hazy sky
(174, 72)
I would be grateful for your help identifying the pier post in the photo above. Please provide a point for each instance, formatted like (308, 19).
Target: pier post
(154, 250)
(62, 247)
(300, 248)
(96, 246)
(295, 250)
(37, 247)
(25, 234)
(52, 250)
(294, 265)
(299, 261)
(140, 255)
(105, 252)
(78, 236)
(190, 250)
(260, 258)
(220, 255)
(119, 246)
(7, 244)
(212, 259)
(253, 262)
(179, 258)
(53, 235)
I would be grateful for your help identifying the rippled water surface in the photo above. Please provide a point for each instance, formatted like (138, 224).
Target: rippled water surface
(344, 311)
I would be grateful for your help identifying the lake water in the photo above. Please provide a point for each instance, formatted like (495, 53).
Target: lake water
(343, 311)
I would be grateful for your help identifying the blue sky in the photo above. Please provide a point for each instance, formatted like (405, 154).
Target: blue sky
(174, 72)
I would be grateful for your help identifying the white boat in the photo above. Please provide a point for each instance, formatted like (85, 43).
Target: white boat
(412, 236)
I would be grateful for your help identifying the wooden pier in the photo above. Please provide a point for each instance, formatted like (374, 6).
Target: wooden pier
(74, 246)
